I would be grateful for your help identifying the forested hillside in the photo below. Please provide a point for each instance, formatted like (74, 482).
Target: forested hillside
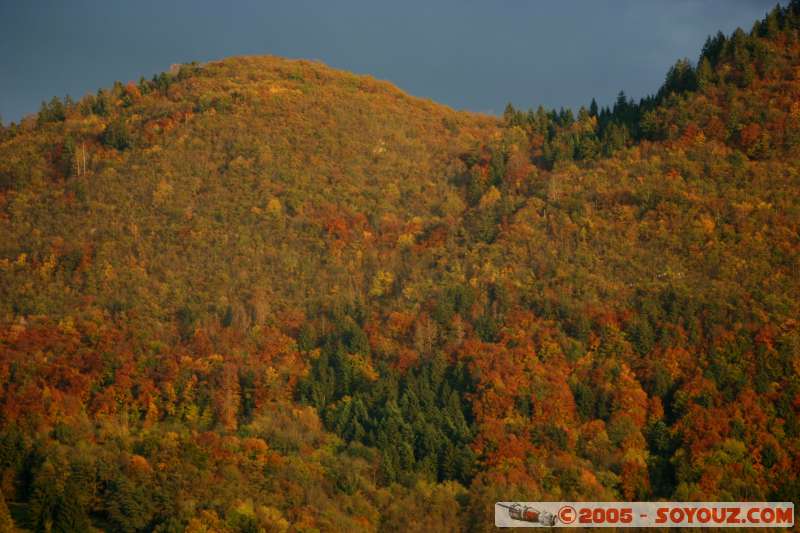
(264, 295)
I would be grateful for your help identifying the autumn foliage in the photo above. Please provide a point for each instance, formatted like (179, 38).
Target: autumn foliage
(264, 295)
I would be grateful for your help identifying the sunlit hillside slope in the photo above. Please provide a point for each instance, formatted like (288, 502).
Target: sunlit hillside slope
(265, 295)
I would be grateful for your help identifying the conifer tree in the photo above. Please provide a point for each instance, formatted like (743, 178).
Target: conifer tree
(6, 522)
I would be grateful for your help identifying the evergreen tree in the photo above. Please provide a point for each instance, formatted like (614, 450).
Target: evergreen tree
(116, 135)
(66, 159)
(615, 137)
(713, 47)
(99, 104)
(54, 111)
(70, 514)
(681, 78)
(46, 496)
(509, 114)
(705, 73)
(128, 506)
(6, 522)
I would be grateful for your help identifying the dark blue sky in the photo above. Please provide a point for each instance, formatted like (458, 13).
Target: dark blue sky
(470, 54)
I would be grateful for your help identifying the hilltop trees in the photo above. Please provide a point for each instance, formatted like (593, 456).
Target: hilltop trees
(681, 78)
(52, 111)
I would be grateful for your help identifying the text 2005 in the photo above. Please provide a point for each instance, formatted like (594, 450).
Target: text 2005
(605, 516)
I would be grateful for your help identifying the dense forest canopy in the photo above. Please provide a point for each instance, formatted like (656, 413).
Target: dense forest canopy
(264, 295)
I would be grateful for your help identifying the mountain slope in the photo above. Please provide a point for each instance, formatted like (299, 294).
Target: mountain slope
(228, 162)
(261, 293)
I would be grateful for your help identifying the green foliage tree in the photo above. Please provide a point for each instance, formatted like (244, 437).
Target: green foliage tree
(117, 135)
(53, 111)
(6, 522)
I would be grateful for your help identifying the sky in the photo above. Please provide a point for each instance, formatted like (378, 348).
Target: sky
(469, 54)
